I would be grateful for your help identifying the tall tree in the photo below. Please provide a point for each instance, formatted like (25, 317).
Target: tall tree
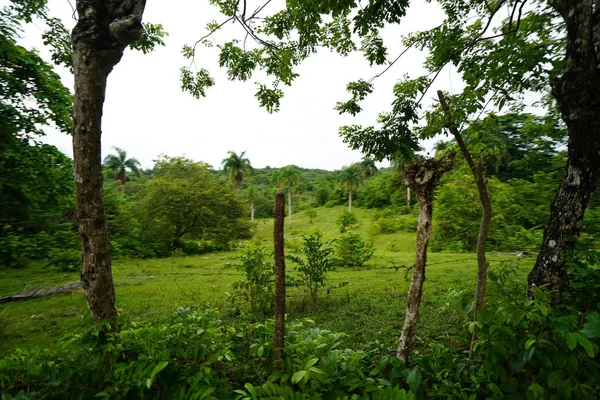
(238, 167)
(120, 164)
(368, 167)
(576, 90)
(351, 178)
(252, 195)
(288, 178)
(423, 175)
(399, 163)
(103, 31)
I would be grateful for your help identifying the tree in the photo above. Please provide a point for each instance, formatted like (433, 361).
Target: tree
(368, 167)
(478, 171)
(399, 163)
(287, 177)
(184, 201)
(36, 189)
(237, 167)
(351, 178)
(252, 195)
(103, 31)
(120, 164)
(423, 175)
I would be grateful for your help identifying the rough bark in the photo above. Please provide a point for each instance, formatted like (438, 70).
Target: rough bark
(478, 171)
(279, 279)
(577, 91)
(102, 32)
(422, 177)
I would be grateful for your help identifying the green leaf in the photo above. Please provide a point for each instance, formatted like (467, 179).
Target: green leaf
(555, 379)
(158, 368)
(311, 362)
(586, 344)
(298, 376)
(260, 351)
(414, 379)
(529, 343)
(571, 340)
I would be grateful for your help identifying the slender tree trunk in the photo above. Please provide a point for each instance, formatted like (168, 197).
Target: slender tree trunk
(239, 185)
(350, 199)
(478, 171)
(251, 210)
(578, 93)
(423, 177)
(408, 197)
(290, 207)
(279, 279)
(102, 32)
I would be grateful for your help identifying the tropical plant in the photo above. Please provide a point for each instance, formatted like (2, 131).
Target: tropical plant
(351, 178)
(351, 250)
(119, 164)
(368, 167)
(237, 167)
(287, 178)
(256, 263)
(186, 200)
(346, 219)
(315, 260)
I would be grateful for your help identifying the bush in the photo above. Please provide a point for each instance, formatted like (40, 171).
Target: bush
(314, 260)
(352, 250)
(255, 262)
(345, 220)
(196, 356)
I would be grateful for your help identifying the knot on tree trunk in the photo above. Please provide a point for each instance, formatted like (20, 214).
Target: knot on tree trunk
(109, 26)
(424, 174)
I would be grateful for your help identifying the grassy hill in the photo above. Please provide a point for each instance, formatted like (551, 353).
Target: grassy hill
(370, 308)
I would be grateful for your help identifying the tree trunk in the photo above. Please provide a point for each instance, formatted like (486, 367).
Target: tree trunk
(239, 185)
(577, 91)
(290, 207)
(408, 197)
(251, 210)
(279, 279)
(478, 171)
(350, 199)
(102, 32)
(422, 176)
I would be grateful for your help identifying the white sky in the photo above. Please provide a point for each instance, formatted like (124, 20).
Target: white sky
(147, 114)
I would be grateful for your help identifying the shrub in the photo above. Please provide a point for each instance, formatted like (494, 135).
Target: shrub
(197, 356)
(352, 250)
(345, 220)
(314, 260)
(255, 262)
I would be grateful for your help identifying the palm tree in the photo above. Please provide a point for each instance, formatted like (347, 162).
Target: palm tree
(252, 195)
(351, 177)
(238, 167)
(287, 177)
(120, 164)
(399, 163)
(368, 167)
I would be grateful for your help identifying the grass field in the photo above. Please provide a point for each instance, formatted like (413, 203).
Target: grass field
(370, 308)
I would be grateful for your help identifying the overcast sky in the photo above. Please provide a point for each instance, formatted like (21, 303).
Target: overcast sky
(147, 114)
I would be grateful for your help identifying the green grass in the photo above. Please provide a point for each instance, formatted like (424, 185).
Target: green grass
(371, 308)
